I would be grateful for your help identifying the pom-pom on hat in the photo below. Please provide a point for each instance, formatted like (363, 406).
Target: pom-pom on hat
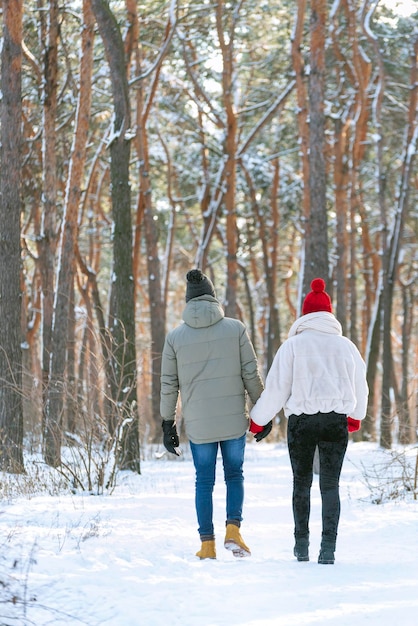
(198, 284)
(317, 299)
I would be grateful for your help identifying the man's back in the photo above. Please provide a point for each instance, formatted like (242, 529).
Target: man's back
(210, 360)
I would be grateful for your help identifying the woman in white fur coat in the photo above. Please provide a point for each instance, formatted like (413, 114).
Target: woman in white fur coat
(318, 377)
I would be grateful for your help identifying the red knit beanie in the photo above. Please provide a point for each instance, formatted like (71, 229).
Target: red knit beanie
(317, 299)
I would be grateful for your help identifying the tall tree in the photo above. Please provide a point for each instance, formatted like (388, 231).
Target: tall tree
(47, 241)
(66, 266)
(11, 408)
(316, 259)
(145, 96)
(226, 25)
(122, 309)
(269, 237)
(391, 263)
(303, 126)
(375, 322)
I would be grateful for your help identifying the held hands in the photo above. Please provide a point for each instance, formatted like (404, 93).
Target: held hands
(170, 437)
(353, 425)
(260, 431)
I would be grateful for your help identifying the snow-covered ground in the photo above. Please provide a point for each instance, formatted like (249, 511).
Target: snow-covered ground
(128, 559)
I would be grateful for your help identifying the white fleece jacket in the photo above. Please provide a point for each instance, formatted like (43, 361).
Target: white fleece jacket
(315, 370)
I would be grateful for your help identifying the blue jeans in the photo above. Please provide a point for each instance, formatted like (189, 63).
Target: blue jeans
(204, 459)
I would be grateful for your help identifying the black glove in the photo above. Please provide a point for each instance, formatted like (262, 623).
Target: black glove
(170, 438)
(266, 431)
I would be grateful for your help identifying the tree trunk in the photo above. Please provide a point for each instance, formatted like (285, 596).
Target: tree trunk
(145, 209)
(369, 429)
(392, 257)
(65, 281)
(47, 243)
(341, 184)
(268, 236)
(122, 308)
(230, 152)
(406, 431)
(360, 114)
(316, 260)
(11, 406)
(372, 359)
(144, 101)
(303, 127)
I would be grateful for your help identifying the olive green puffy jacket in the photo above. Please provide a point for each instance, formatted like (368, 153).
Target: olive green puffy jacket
(211, 362)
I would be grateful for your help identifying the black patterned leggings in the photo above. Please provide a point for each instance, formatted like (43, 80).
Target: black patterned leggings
(329, 432)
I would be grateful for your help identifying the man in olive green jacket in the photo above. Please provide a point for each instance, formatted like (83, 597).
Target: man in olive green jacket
(210, 361)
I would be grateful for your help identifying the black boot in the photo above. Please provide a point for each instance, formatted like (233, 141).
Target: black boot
(326, 554)
(301, 549)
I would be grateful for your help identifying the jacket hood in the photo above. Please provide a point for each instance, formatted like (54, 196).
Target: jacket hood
(320, 321)
(202, 312)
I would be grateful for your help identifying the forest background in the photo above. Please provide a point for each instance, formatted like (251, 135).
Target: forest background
(265, 141)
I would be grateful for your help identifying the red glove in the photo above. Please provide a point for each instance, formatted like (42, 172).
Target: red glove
(353, 425)
(255, 428)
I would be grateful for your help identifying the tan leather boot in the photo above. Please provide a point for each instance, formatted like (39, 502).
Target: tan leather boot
(234, 541)
(208, 550)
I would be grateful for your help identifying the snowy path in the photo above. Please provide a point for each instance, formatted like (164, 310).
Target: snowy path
(128, 559)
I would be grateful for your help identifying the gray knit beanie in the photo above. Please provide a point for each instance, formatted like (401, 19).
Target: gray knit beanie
(198, 284)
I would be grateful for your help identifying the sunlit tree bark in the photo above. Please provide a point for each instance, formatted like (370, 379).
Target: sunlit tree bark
(58, 387)
(226, 41)
(303, 124)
